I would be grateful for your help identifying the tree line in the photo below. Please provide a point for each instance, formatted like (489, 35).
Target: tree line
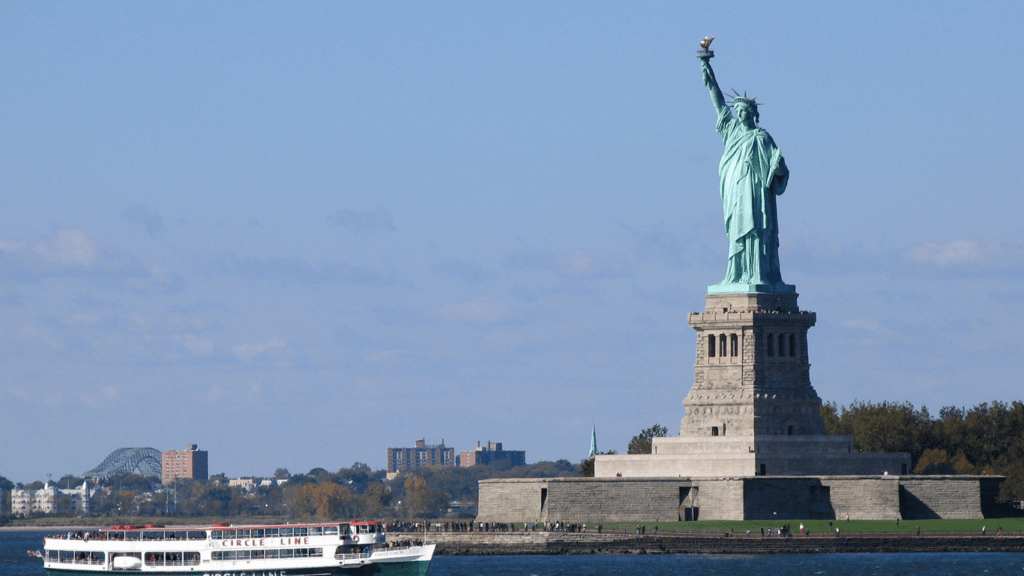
(354, 492)
(985, 439)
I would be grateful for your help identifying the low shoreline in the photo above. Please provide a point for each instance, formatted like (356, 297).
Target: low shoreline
(575, 543)
(555, 543)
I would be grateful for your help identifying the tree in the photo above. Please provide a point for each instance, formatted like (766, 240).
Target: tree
(934, 461)
(69, 481)
(641, 443)
(985, 439)
(587, 464)
(376, 499)
(587, 467)
(281, 473)
(830, 414)
(883, 427)
(421, 501)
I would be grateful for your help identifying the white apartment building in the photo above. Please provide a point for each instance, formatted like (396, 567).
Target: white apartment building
(49, 499)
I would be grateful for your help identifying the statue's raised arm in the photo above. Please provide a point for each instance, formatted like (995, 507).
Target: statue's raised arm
(717, 98)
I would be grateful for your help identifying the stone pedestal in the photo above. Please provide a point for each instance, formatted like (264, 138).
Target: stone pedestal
(752, 373)
(752, 410)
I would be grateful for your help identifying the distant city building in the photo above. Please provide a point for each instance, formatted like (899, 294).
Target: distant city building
(191, 463)
(49, 500)
(246, 484)
(491, 453)
(422, 455)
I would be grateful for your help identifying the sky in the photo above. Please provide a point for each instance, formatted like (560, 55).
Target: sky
(297, 234)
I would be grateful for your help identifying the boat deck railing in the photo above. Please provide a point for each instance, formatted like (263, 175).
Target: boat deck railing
(345, 557)
(86, 561)
(172, 562)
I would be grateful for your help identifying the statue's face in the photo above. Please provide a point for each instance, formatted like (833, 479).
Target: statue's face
(745, 114)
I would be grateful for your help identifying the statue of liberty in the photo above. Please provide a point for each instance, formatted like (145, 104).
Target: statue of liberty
(752, 173)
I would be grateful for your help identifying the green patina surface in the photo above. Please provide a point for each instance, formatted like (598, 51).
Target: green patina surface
(752, 173)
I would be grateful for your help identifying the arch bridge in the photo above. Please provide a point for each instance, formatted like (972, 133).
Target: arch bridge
(141, 461)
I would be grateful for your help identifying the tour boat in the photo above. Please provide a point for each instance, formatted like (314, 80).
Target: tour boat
(228, 550)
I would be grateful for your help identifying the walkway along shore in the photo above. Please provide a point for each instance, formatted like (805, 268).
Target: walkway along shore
(516, 543)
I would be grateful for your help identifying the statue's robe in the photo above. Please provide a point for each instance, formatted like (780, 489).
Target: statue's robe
(748, 189)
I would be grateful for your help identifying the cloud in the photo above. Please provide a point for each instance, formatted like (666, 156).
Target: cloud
(67, 249)
(197, 345)
(867, 325)
(482, 310)
(106, 396)
(468, 272)
(576, 264)
(247, 352)
(151, 221)
(378, 220)
(297, 270)
(965, 253)
(155, 277)
(47, 336)
(83, 319)
(683, 247)
(387, 356)
(71, 252)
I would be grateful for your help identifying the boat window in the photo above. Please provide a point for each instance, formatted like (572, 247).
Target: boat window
(230, 534)
(286, 553)
(273, 553)
(242, 534)
(316, 552)
(257, 533)
(65, 556)
(230, 555)
(243, 555)
(316, 530)
(330, 530)
(152, 535)
(257, 554)
(51, 555)
(301, 552)
(301, 531)
(132, 535)
(197, 535)
(154, 558)
(271, 532)
(216, 534)
(191, 558)
(286, 531)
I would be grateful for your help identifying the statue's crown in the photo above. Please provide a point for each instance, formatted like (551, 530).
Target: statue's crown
(744, 99)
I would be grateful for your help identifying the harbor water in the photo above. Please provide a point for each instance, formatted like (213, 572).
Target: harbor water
(14, 561)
